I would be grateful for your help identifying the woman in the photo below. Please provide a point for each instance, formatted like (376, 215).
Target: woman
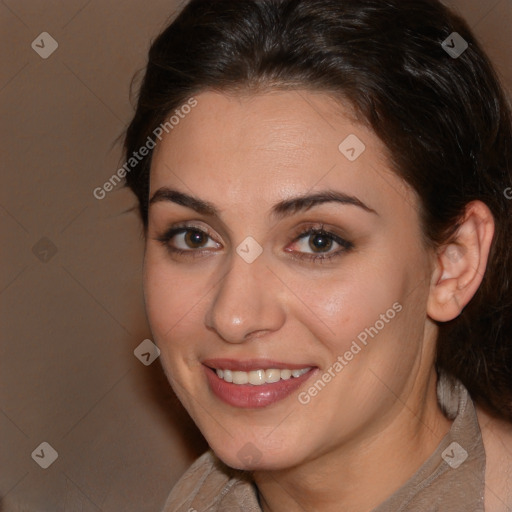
(323, 187)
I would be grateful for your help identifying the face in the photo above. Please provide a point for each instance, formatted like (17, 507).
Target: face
(280, 240)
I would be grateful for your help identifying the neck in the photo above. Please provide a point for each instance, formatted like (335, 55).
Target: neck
(362, 473)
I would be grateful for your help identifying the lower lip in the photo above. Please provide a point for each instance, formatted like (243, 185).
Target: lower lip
(248, 396)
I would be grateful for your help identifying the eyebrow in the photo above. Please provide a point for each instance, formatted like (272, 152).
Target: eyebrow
(279, 210)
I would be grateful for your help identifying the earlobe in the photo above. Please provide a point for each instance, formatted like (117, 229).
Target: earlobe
(460, 265)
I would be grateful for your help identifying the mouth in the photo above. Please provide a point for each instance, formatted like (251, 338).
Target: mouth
(261, 376)
(255, 383)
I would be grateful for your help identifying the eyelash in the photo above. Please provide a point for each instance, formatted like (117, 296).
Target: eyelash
(346, 246)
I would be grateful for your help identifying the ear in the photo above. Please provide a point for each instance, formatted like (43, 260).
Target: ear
(460, 265)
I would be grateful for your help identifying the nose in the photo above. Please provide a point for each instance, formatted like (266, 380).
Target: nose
(246, 303)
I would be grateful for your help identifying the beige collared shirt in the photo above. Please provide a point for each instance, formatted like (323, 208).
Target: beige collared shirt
(450, 480)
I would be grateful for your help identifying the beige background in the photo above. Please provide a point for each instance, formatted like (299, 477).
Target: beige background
(71, 305)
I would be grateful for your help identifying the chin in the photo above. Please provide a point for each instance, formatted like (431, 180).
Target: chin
(248, 456)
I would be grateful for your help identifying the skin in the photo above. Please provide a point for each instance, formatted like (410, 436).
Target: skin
(378, 420)
(497, 439)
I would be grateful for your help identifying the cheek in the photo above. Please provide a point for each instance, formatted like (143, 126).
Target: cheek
(173, 304)
(339, 308)
(172, 299)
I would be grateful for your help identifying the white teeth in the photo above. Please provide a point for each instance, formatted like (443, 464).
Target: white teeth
(240, 377)
(272, 375)
(259, 377)
(286, 374)
(256, 377)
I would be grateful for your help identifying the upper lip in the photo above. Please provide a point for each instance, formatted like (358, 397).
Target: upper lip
(246, 365)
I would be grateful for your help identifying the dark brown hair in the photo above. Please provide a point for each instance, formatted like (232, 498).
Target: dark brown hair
(444, 119)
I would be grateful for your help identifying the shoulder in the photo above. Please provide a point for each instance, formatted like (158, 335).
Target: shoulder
(497, 440)
(200, 474)
(209, 485)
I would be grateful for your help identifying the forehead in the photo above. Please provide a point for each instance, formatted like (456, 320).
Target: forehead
(236, 148)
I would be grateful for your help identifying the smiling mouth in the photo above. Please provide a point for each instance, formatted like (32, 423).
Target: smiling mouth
(261, 376)
(254, 384)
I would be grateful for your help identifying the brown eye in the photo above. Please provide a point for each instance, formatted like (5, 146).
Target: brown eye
(195, 239)
(182, 240)
(320, 242)
(316, 245)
